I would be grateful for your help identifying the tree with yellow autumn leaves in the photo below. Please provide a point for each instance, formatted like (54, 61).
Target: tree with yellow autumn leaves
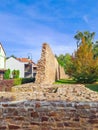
(85, 67)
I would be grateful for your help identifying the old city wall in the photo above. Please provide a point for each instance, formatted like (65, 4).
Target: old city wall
(46, 115)
(48, 68)
(6, 85)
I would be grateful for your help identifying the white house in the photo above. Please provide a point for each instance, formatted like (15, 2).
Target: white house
(24, 65)
(2, 61)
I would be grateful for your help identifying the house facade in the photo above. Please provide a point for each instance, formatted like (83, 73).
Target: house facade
(2, 61)
(24, 65)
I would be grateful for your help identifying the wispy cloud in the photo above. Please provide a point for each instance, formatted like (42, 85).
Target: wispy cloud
(25, 25)
(85, 18)
(23, 39)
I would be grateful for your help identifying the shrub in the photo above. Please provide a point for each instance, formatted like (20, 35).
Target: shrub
(7, 74)
(15, 73)
(27, 80)
(17, 81)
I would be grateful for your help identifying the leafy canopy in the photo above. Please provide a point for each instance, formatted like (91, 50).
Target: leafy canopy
(87, 35)
(85, 66)
(65, 61)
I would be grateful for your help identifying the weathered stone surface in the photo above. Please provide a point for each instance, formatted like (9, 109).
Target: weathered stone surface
(49, 107)
(34, 114)
(60, 115)
(3, 127)
(66, 92)
(12, 126)
(48, 70)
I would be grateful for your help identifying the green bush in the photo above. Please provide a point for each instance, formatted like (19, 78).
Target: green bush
(7, 74)
(15, 73)
(85, 78)
(17, 81)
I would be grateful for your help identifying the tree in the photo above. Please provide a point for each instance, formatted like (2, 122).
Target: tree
(65, 61)
(85, 67)
(61, 59)
(15, 73)
(87, 35)
(11, 56)
(95, 49)
(7, 74)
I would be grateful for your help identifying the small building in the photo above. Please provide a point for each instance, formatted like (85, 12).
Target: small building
(29, 66)
(2, 61)
(26, 66)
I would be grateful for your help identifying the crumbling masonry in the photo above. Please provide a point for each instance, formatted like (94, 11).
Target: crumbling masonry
(48, 68)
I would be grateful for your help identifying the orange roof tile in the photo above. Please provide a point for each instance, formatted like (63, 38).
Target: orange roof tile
(25, 60)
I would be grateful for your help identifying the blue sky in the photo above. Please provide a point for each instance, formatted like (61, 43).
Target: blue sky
(26, 24)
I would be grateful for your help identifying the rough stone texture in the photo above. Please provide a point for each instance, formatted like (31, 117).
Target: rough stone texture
(48, 70)
(48, 115)
(62, 73)
(49, 107)
(76, 92)
(6, 85)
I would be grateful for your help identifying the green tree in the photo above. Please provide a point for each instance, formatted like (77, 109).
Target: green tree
(7, 74)
(87, 35)
(66, 62)
(11, 56)
(15, 73)
(61, 59)
(95, 49)
(85, 67)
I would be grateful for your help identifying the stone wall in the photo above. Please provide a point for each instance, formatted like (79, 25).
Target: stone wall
(48, 70)
(62, 73)
(48, 115)
(6, 85)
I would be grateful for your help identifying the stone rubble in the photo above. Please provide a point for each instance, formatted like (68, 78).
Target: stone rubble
(76, 92)
(49, 107)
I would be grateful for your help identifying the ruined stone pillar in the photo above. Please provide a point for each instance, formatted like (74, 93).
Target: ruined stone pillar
(48, 70)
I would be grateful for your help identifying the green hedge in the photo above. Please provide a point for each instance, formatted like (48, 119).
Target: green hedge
(19, 81)
(27, 80)
(7, 74)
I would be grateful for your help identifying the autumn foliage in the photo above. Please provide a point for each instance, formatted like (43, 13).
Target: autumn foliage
(85, 67)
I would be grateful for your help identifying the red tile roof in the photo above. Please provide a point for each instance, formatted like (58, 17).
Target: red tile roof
(25, 60)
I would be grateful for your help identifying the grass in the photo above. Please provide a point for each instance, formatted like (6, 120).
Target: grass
(93, 86)
(65, 81)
